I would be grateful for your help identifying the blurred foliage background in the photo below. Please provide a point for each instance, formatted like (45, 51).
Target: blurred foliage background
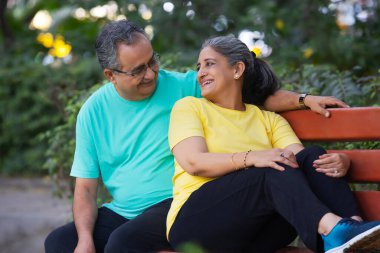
(48, 65)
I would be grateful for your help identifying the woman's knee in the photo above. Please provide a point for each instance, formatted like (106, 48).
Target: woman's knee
(306, 157)
(314, 150)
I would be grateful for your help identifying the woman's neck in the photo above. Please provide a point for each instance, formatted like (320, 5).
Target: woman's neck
(233, 106)
(230, 101)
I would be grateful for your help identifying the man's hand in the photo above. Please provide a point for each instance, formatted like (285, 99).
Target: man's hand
(333, 165)
(283, 100)
(318, 104)
(85, 246)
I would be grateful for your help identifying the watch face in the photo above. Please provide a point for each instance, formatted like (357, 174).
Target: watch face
(301, 99)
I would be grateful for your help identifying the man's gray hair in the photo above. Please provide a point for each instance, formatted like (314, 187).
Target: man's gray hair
(111, 36)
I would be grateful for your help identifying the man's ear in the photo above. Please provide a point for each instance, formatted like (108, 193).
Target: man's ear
(109, 75)
(239, 69)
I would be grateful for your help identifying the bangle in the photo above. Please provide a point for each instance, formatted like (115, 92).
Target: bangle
(245, 158)
(233, 162)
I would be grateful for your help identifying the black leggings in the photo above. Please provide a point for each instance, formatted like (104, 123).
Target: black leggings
(113, 233)
(229, 213)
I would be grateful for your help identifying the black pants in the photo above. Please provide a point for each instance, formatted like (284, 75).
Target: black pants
(113, 233)
(147, 233)
(229, 213)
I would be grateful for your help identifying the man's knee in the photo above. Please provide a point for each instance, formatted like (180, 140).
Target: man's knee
(134, 241)
(62, 239)
(123, 241)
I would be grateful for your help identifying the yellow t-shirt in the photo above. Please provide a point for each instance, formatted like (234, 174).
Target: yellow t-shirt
(225, 131)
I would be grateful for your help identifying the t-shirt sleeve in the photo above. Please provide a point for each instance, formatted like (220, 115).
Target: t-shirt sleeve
(281, 133)
(192, 87)
(85, 163)
(185, 121)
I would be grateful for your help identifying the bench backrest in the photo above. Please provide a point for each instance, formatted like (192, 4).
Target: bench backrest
(348, 124)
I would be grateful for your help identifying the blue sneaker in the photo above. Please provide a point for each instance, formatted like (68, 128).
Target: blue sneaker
(347, 232)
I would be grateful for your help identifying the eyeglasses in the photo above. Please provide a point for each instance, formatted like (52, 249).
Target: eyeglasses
(141, 70)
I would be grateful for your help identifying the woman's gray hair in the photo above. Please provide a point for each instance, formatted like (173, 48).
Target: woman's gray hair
(233, 49)
(112, 34)
(260, 81)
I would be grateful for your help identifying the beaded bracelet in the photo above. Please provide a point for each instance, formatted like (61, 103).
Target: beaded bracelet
(245, 158)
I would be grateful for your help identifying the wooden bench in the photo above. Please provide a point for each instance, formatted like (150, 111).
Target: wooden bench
(346, 124)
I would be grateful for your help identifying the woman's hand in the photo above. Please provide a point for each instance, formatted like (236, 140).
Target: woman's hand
(271, 158)
(333, 165)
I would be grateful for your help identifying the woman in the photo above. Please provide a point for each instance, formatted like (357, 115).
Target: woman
(237, 166)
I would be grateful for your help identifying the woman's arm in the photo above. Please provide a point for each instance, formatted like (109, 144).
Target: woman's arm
(283, 100)
(193, 156)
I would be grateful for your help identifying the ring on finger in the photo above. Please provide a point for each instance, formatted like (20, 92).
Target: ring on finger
(335, 171)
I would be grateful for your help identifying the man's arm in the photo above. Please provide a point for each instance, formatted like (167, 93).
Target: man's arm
(85, 212)
(283, 100)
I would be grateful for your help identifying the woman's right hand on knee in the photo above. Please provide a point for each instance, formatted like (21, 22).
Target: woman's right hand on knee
(273, 158)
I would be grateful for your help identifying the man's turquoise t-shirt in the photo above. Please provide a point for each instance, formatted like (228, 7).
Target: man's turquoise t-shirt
(126, 142)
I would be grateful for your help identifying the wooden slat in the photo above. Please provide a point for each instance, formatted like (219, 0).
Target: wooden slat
(345, 124)
(369, 201)
(365, 165)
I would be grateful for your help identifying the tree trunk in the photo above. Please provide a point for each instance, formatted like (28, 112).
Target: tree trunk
(5, 30)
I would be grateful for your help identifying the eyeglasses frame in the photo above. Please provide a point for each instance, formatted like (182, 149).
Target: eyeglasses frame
(153, 62)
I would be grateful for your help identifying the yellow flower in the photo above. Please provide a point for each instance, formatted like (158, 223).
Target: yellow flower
(341, 25)
(308, 52)
(63, 51)
(256, 50)
(46, 39)
(59, 48)
(51, 52)
(59, 37)
(58, 42)
(279, 24)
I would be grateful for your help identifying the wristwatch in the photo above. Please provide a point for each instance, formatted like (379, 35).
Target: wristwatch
(301, 100)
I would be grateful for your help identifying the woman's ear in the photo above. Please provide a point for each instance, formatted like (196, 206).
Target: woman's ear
(239, 69)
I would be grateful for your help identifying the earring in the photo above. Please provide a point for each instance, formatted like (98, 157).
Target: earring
(237, 76)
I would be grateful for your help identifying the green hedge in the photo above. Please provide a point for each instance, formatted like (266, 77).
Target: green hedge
(33, 99)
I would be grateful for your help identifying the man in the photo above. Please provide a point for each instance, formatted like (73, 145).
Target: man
(121, 136)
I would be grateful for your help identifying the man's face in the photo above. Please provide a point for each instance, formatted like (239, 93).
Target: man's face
(137, 75)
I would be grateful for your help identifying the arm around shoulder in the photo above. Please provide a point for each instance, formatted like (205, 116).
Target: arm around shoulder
(283, 100)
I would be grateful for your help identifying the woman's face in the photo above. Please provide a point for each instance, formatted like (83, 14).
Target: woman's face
(215, 75)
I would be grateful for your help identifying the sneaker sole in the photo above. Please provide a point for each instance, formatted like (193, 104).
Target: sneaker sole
(368, 244)
(341, 248)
